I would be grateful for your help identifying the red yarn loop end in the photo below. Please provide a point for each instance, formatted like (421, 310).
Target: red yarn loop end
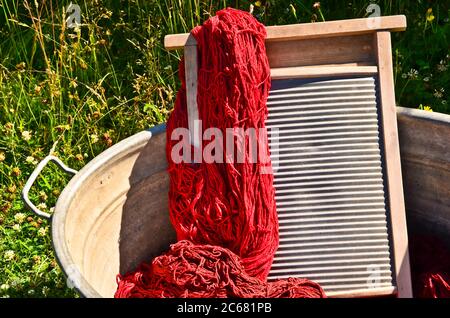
(199, 271)
(430, 267)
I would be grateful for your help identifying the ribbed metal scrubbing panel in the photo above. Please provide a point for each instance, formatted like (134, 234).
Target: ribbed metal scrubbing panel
(325, 149)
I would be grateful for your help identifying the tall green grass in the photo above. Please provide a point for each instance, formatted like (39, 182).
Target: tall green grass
(75, 92)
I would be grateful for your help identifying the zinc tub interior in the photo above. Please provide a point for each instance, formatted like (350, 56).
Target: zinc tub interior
(113, 213)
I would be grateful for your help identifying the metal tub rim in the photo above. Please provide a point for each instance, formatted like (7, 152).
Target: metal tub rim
(127, 146)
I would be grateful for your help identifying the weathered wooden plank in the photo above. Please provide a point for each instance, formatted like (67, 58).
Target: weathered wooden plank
(382, 42)
(191, 73)
(322, 51)
(313, 30)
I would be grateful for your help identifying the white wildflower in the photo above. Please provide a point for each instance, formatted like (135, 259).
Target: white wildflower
(31, 159)
(19, 217)
(26, 135)
(94, 138)
(438, 94)
(42, 206)
(43, 231)
(413, 73)
(442, 67)
(45, 290)
(9, 255)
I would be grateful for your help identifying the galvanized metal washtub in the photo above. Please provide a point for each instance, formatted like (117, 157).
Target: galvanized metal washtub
(113, 214)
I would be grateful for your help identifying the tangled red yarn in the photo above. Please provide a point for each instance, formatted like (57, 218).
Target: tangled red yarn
(430, 267)
(194, 271)
(227, 204)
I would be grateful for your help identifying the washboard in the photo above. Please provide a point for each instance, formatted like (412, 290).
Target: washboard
(334, 144)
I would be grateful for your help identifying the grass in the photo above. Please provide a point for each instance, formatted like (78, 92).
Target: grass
(75, 92)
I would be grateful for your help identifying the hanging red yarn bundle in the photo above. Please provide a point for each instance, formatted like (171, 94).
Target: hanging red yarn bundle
(228, 204)
(430, 267)
(199, 271)
(223, 213)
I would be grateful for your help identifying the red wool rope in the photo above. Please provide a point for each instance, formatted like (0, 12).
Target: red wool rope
(227, 204)
(198, 271)
(224, 214)
(430, 267)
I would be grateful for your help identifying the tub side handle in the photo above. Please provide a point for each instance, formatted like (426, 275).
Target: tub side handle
(34, 176)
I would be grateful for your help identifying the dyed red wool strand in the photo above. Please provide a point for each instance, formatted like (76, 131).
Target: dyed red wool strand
(223, 213)
(227, 204)
(430, 267)
(194, 271)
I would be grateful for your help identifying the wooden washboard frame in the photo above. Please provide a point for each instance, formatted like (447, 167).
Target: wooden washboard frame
(346, 48)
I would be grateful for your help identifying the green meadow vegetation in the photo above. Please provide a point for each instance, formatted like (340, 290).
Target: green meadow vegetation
(74, 92)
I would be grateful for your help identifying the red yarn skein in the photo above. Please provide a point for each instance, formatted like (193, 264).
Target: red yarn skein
(223, 212)
(227, 204)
